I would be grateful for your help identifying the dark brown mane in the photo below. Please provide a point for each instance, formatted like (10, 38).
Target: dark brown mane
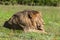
(25, 20)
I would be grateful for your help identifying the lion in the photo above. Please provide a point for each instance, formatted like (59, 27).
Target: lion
(27, 20)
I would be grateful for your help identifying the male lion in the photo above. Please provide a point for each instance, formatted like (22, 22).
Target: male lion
(27, 20)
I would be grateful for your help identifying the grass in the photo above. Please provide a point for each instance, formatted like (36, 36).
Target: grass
(51, 16)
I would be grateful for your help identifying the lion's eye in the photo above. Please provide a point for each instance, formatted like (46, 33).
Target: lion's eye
(38, 27)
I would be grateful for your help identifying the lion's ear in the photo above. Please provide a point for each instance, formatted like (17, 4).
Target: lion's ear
(30, 16)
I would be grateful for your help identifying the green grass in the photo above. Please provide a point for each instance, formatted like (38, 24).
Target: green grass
(51, 16)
